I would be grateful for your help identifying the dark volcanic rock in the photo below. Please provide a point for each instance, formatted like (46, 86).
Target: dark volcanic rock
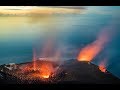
(86, 73)
(75, 72)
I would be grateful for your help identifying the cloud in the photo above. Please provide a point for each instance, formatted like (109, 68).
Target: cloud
(103, 10)
(35, 10)
(71, 7)
(16, 7)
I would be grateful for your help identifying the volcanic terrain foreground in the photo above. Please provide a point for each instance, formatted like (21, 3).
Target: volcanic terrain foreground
(71, 71)
(86, 73)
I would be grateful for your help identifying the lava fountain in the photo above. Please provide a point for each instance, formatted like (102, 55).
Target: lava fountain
(102, 65)
(46, 70)
(93, 49)
(42, 68)
(102, 68)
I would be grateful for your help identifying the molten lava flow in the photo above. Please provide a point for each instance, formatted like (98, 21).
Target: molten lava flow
(92, 50)
(46, 70)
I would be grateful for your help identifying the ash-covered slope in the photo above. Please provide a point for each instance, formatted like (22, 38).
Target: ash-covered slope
(84, 73)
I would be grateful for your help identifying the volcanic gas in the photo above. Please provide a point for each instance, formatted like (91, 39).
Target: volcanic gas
(44, 67)
(90, 51)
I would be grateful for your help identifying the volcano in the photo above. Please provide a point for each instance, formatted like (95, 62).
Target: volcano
(86, 73)
(71, 71)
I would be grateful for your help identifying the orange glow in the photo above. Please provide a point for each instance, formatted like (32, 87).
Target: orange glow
(102, 65)
(43, 70)
(102, 68)
(47, 76)
(46, 70)
(89, 52)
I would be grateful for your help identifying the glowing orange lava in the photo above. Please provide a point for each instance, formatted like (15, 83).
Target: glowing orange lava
(42, 70)
(93, 49)
(102, 68)
(46, 70)
(90, 51)
(102, 65)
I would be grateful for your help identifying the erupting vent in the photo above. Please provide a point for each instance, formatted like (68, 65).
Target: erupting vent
(43, 71)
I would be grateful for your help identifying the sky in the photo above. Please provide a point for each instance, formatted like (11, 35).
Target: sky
(38, 9)
(20, 10)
